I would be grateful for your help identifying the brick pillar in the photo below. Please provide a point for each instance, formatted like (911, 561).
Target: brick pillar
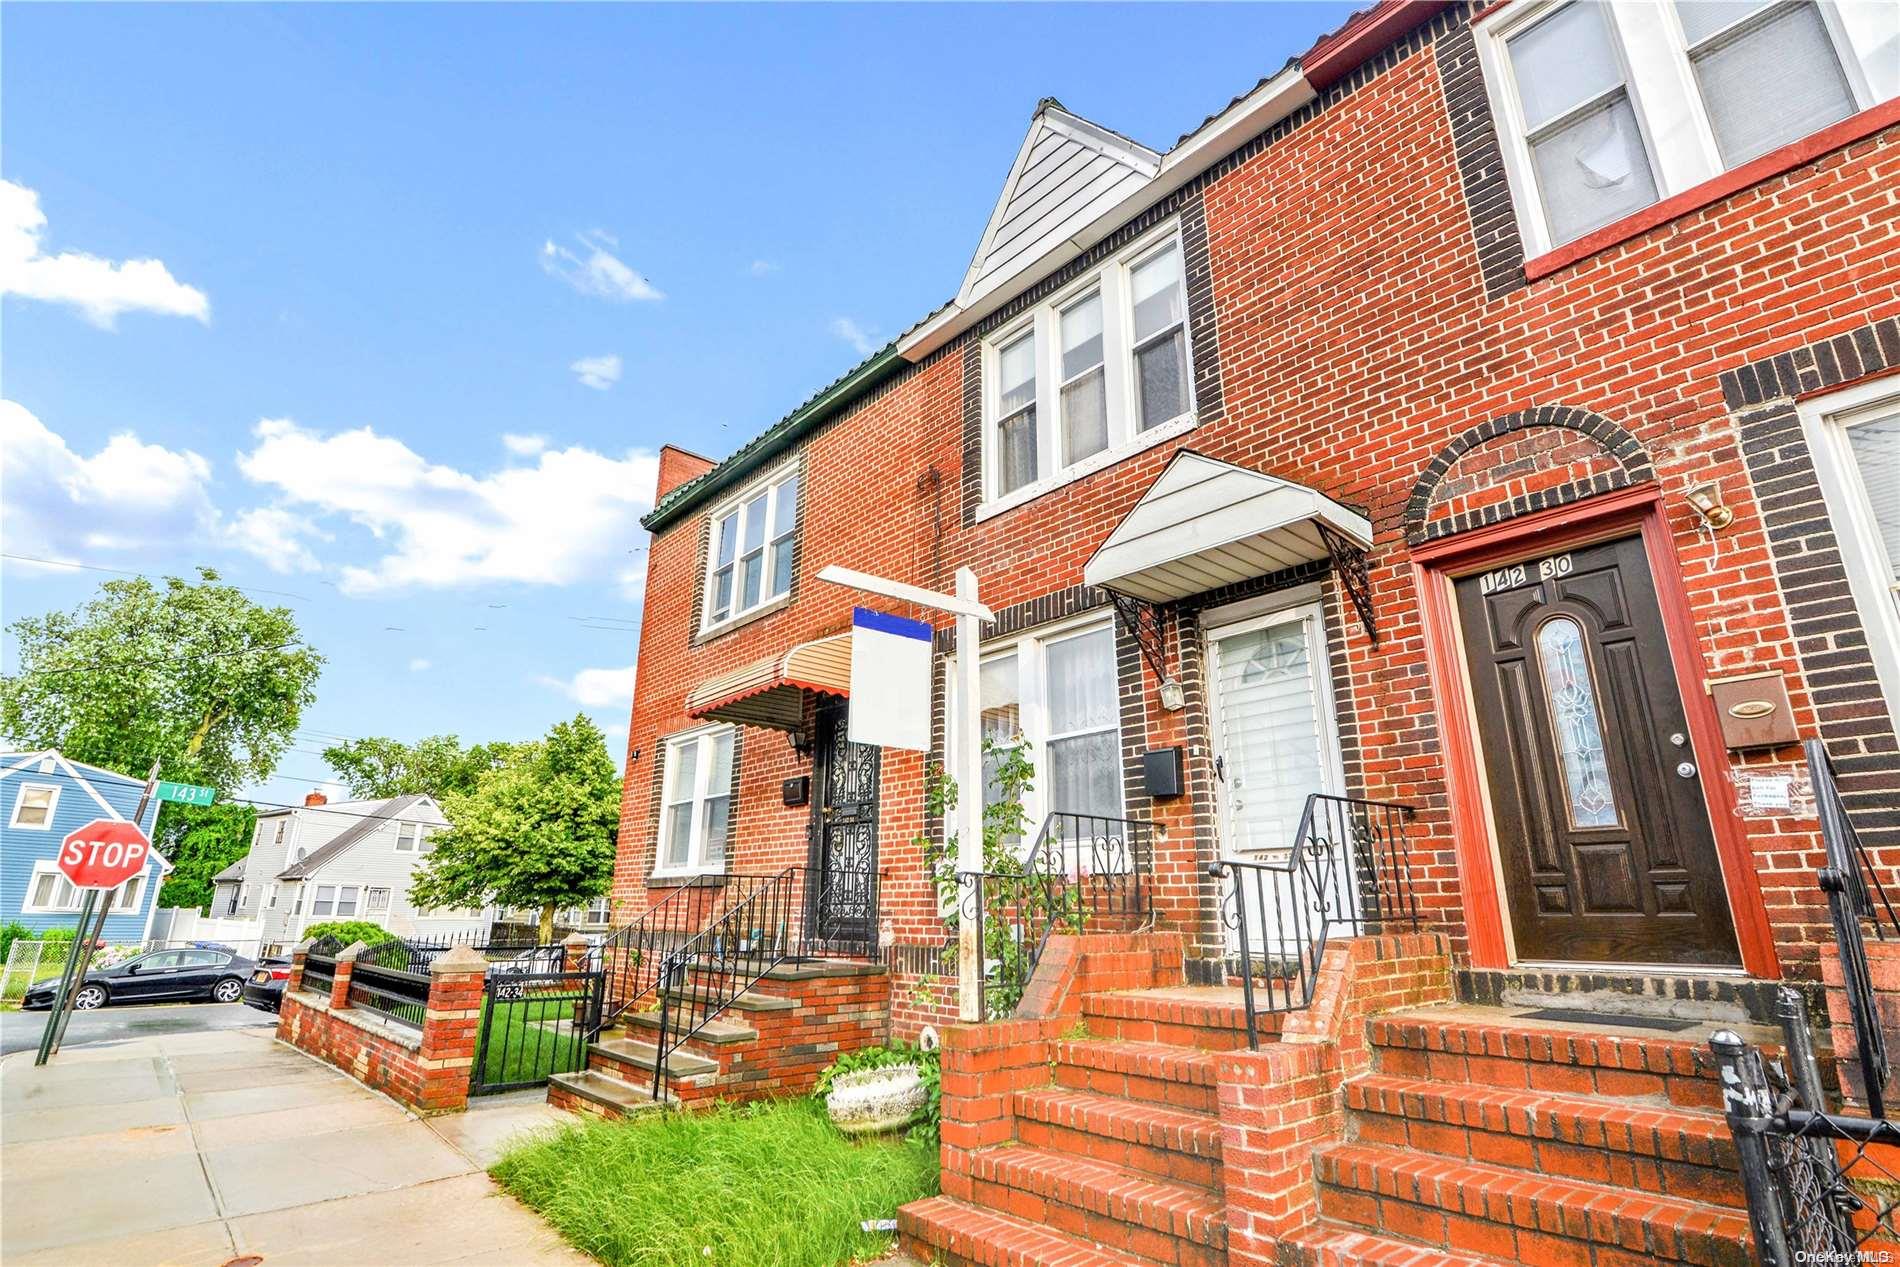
(286, 1009)
(1883, 970)
(450, 1029)
(298, 954)
(1276, 1105)
(983, 1067)
(345, 969)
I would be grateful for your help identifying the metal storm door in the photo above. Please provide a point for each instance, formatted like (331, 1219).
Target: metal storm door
(844, 905)
(1275, 743)
(1596, 802)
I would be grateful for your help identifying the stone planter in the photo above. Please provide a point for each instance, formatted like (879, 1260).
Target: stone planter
(874, 1100)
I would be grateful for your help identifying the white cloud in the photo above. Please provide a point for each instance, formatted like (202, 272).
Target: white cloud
(419, 665)
(860, 339)
(595, 270)
(762, 268)
(60, 503)
(595, 688)
(524, 446)
(276, 536)
(571, 515)
(100, 289)
(597, 372)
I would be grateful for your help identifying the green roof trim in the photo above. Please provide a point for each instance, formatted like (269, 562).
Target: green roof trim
(751, 458)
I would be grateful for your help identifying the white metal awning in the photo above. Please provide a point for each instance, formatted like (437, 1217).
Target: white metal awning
(771, 692)
(1204, 523)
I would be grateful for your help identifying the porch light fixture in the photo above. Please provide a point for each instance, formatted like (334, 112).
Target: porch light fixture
(1172, 697)
(1706, 499)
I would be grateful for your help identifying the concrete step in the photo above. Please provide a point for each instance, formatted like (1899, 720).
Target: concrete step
(1118, 1209)
(609, 1096)
(1469, 1205)
(1676, 1152)
(629, 1057)
(1212, 1018)
(1171, 1144)
(712, 1033)
(1179, 1077)
(752, 1000)
(951, 1233)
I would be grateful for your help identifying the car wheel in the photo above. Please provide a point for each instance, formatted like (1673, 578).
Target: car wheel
(89, 997)
(228, 990)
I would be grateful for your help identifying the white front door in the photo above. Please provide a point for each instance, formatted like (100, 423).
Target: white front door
(1275, 743)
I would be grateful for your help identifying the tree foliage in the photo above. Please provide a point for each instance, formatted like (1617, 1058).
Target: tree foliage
(377, 768)
(201, 840)
(190, 673)
(537, 831)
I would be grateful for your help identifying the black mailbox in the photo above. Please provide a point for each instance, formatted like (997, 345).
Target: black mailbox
(797, 791)
(1161, 772)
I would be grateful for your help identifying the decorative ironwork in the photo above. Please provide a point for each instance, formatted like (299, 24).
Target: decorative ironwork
(1349, 866)
(1145, 623)
(1349, 564)
(844, 897)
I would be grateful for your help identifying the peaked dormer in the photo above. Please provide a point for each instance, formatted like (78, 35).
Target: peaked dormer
(1068, 173)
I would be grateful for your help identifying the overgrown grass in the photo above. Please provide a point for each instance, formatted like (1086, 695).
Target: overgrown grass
(769, 1185)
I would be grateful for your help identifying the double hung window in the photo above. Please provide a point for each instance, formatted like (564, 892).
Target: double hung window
(337, 900)
(750, 563)
(696, 802)
(1099, 371)
(49, 891)
(33, 807)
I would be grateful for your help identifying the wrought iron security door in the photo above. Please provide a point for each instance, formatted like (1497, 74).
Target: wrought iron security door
(844, 901)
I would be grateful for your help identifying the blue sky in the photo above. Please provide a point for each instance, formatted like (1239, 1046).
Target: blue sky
(428, 285)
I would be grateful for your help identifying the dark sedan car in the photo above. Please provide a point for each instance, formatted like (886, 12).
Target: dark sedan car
(191, 975)
(265, 990)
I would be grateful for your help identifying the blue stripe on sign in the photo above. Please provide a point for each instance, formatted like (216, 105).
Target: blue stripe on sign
(883, 622)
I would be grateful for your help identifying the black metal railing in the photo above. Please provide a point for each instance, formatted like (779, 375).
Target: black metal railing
(1821, 1187)
(633, 955)
(1348, 870)
(1855, 900)
(319, 965)
(1083, 871)
(395, 993)
(528, 952)
(533, 1025)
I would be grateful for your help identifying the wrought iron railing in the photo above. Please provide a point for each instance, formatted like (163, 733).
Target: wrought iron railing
(632, 956)
(319, 965)
(1084, 870)
(1349, 869)
(533, 1025)
(1855, 900)
(1821, 1187)
(392, 992)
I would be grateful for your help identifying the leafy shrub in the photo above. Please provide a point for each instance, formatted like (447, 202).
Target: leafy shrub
(350, 931)
(59, 934)
(929, 1071)
(10, 932)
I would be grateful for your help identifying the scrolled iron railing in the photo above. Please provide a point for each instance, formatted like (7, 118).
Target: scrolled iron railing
(1349, 868)
(1082, 870)
(632, 957)
(1856, 899)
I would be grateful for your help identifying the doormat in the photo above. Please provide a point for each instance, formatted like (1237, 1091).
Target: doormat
(1578, 1016)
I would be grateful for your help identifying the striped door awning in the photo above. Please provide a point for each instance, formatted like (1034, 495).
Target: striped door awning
(771, 692)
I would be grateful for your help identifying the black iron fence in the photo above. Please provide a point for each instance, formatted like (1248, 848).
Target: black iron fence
(534, 1025)
(395, 993)
(1822, 1187)
(1348, 871)
(1856, 900)
(1083, 871)
(319, 965)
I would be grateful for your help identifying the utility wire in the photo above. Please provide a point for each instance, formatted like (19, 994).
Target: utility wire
(94, 567)
(100, 666)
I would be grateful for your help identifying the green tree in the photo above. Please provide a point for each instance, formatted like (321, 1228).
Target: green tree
(536, 832)
(201, 840)
(191, 673)
(377, 768)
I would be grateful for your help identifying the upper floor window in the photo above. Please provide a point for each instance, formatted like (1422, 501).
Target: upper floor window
(1605, 107)
(34, 806)
(413, 837)
(1095, 373)
(750, 555)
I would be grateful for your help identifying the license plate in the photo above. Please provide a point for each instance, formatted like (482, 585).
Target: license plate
(260, 976)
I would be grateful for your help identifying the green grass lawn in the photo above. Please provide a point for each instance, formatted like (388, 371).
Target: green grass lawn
(770, 1185)
(523, 1043)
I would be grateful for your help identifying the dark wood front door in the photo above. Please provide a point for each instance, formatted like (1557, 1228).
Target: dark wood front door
(1596, 800)
(843, 896)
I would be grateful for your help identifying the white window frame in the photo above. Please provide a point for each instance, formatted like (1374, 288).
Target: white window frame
(409, 831)
(133, 888)
(19, 803)
(772, 485)
(1825, 421)
(369, 900)
(1647, 38)
(696, 863)
(604, 904)
(282, 823)
(1032, 693)
(270, 896)
(1125, 438)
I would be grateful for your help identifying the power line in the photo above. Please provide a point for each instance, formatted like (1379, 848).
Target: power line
(94, 567)
(104, 665)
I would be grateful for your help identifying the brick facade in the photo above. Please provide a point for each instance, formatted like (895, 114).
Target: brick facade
(1362, 322)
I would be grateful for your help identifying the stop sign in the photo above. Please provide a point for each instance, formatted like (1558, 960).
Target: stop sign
(104, 854)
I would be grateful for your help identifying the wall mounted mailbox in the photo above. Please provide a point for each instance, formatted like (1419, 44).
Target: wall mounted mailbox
(1753, 709)
(797, 791)
(1161, 772)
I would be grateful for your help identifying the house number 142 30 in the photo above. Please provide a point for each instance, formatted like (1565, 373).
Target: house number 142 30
(1518, 573)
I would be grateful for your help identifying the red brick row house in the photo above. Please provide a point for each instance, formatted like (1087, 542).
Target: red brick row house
(1494, 412)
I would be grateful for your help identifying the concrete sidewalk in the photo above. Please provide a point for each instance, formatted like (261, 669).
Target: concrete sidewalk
(195, 1149)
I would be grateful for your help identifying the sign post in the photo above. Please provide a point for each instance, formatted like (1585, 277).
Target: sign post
(967, 759)
(103, 854)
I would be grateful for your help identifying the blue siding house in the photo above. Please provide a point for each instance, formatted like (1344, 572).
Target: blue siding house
(43, 798)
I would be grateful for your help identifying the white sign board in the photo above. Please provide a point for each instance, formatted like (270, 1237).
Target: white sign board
(890, 681)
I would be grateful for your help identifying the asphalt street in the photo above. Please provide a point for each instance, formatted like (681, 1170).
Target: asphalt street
(20, 1031)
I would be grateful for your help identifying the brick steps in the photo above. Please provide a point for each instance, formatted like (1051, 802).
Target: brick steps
(1662, 1149)
(1332, 1245)
(943, 1230)
(1170, 1144)
(1118, 1209)
(1520, 1216)
(1211, 1018)
(713, 1033)
(1178, 1077)
(630, 1059)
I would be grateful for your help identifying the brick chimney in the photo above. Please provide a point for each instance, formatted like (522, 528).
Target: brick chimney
(677, 466)
(313, 799)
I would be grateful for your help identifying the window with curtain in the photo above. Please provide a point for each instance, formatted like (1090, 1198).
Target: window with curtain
(1159, 309)
(750, 556)
(1875, 448)
(34, 806)
(697, 803)
(1016, 413)
(1768, 73)
(1084, 385)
